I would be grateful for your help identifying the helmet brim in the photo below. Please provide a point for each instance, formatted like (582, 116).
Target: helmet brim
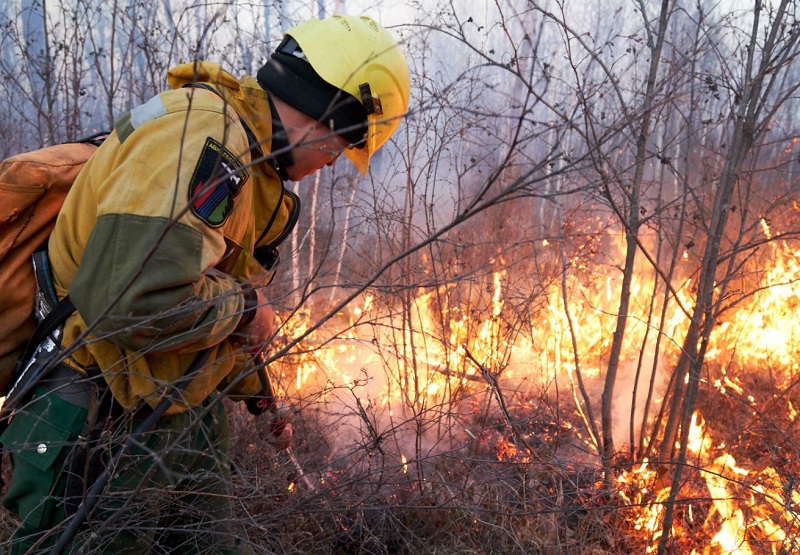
(359, 157)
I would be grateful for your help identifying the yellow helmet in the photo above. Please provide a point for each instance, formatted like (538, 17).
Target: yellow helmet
(358, 56)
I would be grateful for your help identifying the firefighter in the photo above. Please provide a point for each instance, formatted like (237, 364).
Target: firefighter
(164, 245)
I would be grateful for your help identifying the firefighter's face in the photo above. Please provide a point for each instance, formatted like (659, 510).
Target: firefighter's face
(315, 146)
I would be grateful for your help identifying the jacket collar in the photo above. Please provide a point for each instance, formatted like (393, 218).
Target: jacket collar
(248, 99)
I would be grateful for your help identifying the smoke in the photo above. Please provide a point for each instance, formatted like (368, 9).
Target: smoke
(629, 408)
(368, 399)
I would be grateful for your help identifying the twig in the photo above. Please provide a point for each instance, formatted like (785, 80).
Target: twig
(492, 381)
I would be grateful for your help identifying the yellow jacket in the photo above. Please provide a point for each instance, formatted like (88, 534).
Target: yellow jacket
(157, 235)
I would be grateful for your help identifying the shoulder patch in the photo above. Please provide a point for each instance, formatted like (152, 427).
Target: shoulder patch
(217, 180)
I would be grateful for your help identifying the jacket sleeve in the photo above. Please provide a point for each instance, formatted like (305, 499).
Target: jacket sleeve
(242, 382)
(148, 278)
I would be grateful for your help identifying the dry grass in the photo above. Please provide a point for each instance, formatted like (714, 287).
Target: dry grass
(492, 495)
(466, 500)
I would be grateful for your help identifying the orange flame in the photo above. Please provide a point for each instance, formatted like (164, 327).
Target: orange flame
(445, 344)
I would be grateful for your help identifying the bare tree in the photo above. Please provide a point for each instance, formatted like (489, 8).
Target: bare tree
(577, 198)
(759, 93)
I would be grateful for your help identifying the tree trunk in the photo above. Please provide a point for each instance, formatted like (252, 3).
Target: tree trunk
(631, 236)
(751, 108)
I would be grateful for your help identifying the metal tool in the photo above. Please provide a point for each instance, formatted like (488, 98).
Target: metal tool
(272, 406)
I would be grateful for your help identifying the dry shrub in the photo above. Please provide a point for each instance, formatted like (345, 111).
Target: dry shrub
(480, 498)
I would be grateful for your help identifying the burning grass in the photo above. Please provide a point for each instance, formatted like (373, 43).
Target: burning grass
(520, 480)
(505, 491)
(462, 423)
(487, 495)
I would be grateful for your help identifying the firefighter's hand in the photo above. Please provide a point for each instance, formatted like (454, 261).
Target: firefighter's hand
(254, 335)
(276, 427)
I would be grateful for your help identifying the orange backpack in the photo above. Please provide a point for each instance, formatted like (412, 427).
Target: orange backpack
(33, 187)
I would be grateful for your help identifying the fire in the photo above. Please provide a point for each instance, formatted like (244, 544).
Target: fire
(766, 332)
(731, 536)
(649, 519)
(698, 441)
(455, 346)
(735, 518)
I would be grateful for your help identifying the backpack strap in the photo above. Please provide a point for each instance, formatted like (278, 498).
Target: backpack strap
(268, 255)
(255, 145)
(51, 322)
(50, 313)
(23, 384)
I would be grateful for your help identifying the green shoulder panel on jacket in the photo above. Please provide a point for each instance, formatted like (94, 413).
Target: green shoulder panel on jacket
(139, 282)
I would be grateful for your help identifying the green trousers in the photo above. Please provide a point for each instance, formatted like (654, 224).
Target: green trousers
(169, 494)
